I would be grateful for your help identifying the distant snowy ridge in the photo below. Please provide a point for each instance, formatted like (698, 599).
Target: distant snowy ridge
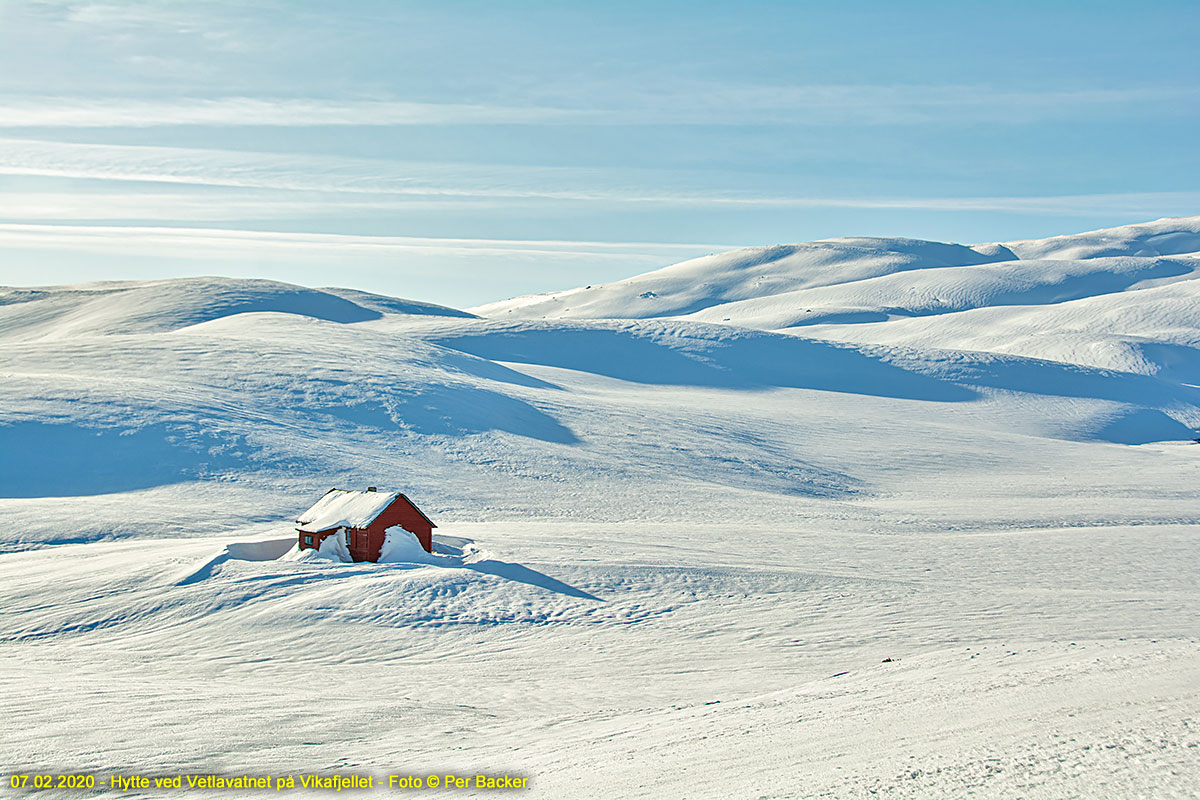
(1124, 298)
(711, 282)
(1170, 236)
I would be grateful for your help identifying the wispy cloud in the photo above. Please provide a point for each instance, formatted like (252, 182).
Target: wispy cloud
(271, 186)
(1136, 203)
(224, 207)
(216, 241)
(158, 17)
(218, 25)
(713, 103)
(134, 203)
(207, 167)
(24, 112)
(952, 104)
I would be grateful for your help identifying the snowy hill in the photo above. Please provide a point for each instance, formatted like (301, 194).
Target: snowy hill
(708, 282)
(151, 306)
(757, 273)
(868, 291)
(895, 516)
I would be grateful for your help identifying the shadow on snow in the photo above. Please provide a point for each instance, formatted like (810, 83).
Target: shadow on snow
(739, 360)
(62, 460)
(273, 549)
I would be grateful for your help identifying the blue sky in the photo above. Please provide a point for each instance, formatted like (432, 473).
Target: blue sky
(463, 152)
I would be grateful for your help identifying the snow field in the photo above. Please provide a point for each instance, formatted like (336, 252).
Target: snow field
(935, 537)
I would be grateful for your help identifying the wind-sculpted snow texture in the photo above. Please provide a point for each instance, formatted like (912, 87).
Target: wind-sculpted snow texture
(855, 518)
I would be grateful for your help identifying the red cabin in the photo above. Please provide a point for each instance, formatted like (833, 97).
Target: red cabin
(363, 519)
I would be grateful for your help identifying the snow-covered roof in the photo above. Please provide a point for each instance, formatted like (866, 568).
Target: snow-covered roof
(345, 508)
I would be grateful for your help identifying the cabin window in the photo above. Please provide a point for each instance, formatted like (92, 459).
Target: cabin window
(347, 537)
(308, 540)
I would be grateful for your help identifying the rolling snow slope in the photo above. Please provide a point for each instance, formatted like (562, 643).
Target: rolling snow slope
(1068, 298)
(681, 532)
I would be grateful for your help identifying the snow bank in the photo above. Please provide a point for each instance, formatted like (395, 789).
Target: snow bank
(259, 550)
(399, 547)
(296, 554)
(402, 547)
(333, 548)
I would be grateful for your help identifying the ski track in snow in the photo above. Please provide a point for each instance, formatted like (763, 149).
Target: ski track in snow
(856, 518)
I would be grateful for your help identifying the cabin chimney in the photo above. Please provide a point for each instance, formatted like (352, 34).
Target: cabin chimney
(371, 489)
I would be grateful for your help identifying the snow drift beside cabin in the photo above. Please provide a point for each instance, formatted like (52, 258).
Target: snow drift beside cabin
(403, 547)
(344, 508)
(332, 549)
